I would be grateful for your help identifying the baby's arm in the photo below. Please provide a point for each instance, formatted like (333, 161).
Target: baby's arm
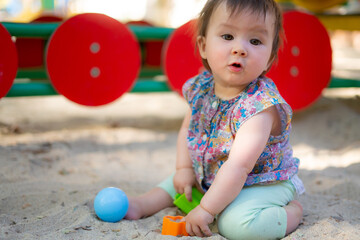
(184, 177)
(249, 143)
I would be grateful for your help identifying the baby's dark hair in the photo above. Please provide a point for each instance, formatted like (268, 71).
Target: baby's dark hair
(260, 7)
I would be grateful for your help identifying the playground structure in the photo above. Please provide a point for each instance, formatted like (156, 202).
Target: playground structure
(93, 59)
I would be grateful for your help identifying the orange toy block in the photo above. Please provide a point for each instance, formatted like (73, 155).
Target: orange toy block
(173, 225)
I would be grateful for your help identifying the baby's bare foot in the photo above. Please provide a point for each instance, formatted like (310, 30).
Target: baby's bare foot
(148, 204)
(134, 211)
(294, 212)
(297, 205)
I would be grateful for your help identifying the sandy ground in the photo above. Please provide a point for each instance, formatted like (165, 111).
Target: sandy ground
(55, 156)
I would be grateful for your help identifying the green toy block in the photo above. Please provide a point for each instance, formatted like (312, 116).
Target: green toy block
(184, 205)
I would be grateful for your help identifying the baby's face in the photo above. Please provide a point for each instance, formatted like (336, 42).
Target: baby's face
(237, 47)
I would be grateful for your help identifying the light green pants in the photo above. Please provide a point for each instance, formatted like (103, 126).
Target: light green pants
(256, 213)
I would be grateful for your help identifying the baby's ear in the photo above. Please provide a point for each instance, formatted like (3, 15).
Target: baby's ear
(201, 43)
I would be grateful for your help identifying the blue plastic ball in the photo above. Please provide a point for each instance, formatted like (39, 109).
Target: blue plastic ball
(111, 204)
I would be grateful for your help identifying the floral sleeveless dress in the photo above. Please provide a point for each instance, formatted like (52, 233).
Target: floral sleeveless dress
(214, 123)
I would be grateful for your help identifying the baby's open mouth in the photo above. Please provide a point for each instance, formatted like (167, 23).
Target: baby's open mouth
(236, 67)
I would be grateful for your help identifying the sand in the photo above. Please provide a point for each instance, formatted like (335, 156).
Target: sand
(56, 155)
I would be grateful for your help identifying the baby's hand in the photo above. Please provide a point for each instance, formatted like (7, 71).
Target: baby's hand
(197, 222)
(184, 179)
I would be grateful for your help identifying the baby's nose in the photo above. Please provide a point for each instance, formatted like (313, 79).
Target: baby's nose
(240, 51)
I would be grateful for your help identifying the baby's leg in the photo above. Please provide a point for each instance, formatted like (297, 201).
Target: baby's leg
(148, 204)
(153, 201)
(257, 213)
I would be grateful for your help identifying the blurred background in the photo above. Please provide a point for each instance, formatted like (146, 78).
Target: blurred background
(340, 17)
(167, 13)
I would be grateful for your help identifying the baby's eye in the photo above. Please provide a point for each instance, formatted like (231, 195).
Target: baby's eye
(227, 37)
(255, 42)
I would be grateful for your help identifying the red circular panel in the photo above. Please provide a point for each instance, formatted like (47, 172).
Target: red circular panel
(31, 50)
(304, 66)
(92, 59)
(182, 59)
(8, 61)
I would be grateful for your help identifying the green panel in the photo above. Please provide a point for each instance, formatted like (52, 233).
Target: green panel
(44, 30)
(31, 89)
(38, 30)
(148, 85)
(36, 73)
(40, 73)
(150, 33)
(44, 88)
(343, 83)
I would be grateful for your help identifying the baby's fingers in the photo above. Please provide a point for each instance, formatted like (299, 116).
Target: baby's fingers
(189, 229)
(206, 230)
(179, 190)
(188, 191)
(193, 230)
